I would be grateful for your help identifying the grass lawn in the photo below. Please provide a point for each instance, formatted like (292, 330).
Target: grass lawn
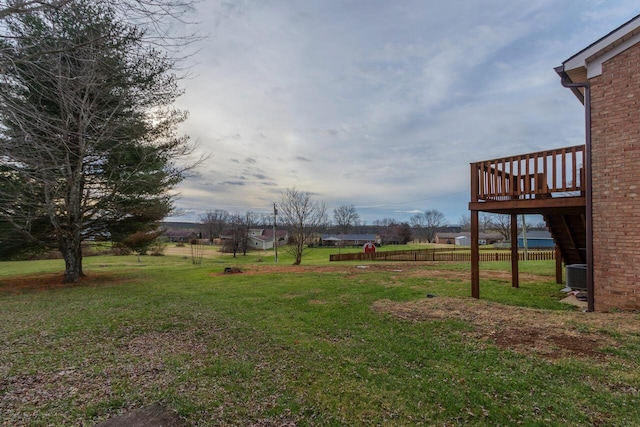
(317, 344)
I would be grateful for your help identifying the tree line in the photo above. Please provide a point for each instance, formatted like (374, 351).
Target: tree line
(305, 218)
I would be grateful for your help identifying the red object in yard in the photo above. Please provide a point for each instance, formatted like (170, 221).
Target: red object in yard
(369, 248)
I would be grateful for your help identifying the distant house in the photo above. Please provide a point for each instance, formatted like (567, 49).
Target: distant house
(347, 239)
(329, 240)
(259, 238)
(262, 238)
(536, 239)
(464, 238)
(446, 238)
(180, 236)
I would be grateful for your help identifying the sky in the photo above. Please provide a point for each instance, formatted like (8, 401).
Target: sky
(377, 104)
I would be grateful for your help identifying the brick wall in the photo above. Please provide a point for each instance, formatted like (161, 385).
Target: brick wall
(615, 127)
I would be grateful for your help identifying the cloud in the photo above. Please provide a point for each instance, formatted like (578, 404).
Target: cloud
(382, 107)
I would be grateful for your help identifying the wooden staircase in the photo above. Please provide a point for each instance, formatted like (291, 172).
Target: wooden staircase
(570, 234)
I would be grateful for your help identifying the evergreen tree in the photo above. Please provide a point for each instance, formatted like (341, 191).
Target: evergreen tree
(87, 131)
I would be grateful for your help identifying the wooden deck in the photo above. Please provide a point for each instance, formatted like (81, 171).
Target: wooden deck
(549, 183)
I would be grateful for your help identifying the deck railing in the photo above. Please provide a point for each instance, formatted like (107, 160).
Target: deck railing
(545, 174)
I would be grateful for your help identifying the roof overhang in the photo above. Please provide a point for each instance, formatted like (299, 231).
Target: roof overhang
(587, 63)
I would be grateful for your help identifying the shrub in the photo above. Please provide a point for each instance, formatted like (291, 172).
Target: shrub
(157, 248)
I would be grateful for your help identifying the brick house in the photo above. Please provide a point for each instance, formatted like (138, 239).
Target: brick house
(592, 205)
(611, 69)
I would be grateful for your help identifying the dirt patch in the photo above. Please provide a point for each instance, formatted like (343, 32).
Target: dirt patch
(48, 281)
(149, 416)
(550, 334)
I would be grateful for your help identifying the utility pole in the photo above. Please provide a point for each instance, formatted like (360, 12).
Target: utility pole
(524, 239)
(275, 239)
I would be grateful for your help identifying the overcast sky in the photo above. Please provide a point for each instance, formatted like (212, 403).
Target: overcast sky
(379, 104)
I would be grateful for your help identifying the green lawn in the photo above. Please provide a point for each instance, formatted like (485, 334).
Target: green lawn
(298, 346)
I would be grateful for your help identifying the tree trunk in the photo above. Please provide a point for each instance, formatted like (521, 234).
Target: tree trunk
(72, 253)
(298, 260)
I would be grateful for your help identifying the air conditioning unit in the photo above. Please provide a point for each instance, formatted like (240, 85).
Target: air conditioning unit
(577, 276)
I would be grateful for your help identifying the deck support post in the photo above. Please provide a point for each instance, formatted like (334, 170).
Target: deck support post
(558, 257)
(514, 251)
(475, 256)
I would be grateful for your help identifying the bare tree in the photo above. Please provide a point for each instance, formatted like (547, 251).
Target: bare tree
(159, 19)
(429, 223)
(265, 219)
(485, 222)
(387, 230)
(249, 221)
(150, 13)
(404, 233)
(214, 223)
(233, 235)
(18, 7)
(346, 218)
(237, 235)
(88, 135)
(384, 222)
(464, 222)
(501, 223)
(418, 223)
(303, 217)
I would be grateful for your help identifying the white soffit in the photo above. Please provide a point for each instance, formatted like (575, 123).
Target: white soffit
(606, 48)
(594, 67)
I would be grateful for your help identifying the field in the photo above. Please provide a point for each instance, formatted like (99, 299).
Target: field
(317, 344)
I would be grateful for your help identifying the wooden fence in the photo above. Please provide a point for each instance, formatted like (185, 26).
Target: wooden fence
(442, 254)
